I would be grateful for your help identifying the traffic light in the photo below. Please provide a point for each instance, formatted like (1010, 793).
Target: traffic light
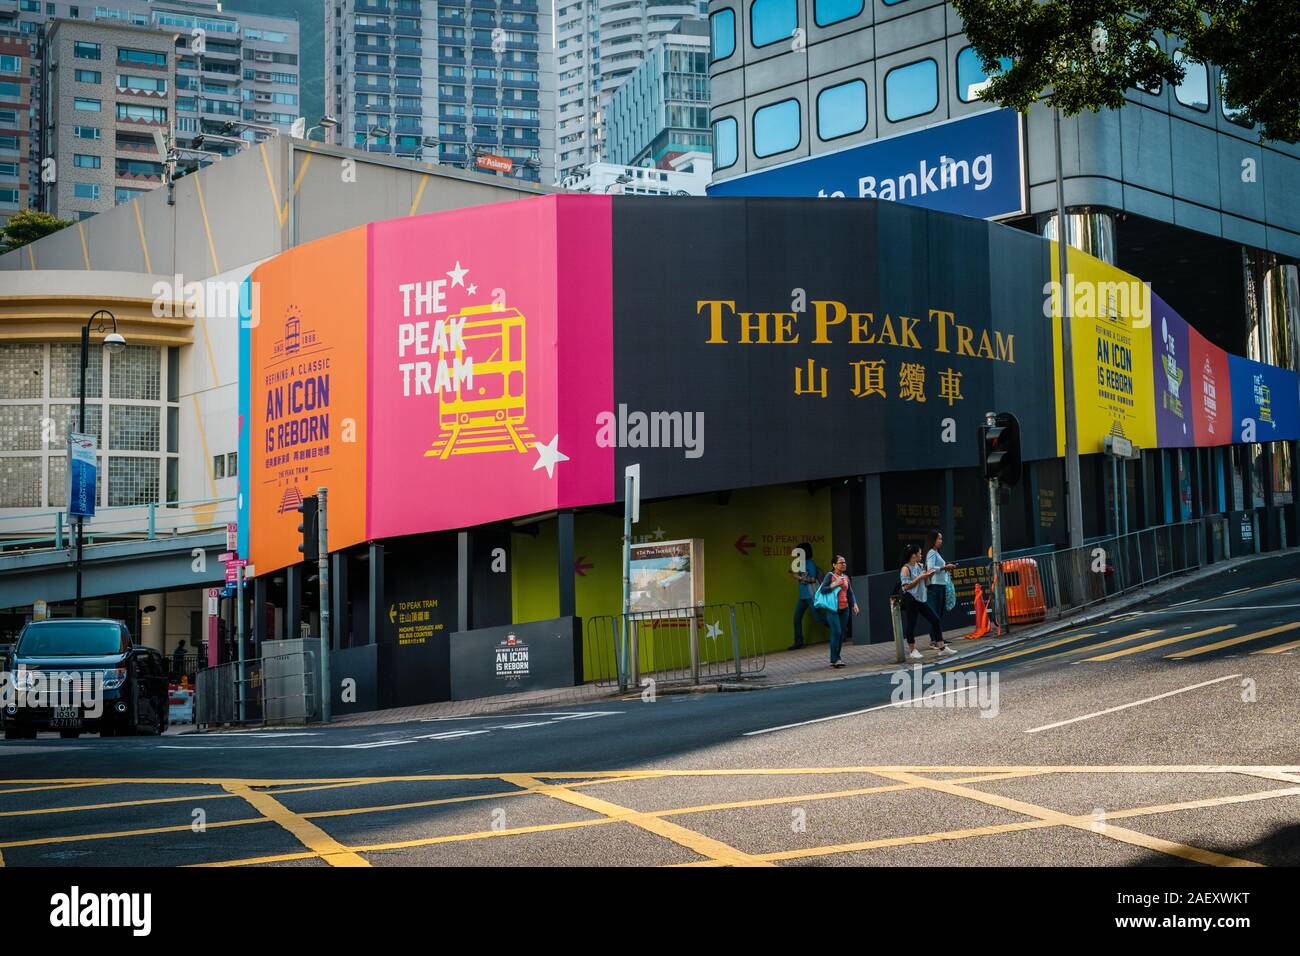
(309, 529)
(1000, 444)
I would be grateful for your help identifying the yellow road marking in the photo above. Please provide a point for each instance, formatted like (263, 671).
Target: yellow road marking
(207, 226)
(1217, 645)
(149, 831)
(1163, 642)
(144, 243)
(1135, 636)
(419, 194)
(57, 786)
(695, 842)
(482, 835)
(1019, 653)
(115, 806)
(1279, 649)
(257, 860)
(310, 835)
(1087, 823)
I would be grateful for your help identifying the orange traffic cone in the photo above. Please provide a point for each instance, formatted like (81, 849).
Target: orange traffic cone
(981, 616)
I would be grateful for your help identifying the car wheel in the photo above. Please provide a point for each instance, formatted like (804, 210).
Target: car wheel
(13, 733)
(69, 734)
(107, 731)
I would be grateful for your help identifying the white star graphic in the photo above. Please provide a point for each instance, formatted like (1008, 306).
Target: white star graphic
(715, 629)
(548, 456)
(458, 275)
(472, 289)
(659, 534)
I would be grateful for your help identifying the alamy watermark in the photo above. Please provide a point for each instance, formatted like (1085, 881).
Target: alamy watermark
(976, 689)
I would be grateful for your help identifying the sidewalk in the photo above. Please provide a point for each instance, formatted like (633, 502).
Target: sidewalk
(809, 664)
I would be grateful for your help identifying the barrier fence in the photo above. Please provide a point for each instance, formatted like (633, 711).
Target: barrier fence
(45, 530)
(1045, 586)
(675, 645)
(262, 690)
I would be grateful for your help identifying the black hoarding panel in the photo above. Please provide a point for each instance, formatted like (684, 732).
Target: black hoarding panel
(539, 655)
(774, 340)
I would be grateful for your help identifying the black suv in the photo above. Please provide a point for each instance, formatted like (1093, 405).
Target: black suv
(81, 676)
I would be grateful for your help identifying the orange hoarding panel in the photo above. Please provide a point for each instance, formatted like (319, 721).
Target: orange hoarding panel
(307, 408)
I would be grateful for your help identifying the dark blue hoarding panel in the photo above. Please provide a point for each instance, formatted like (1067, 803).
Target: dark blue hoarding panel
(971, 166)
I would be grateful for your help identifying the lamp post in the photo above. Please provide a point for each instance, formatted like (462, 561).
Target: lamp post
(114, 342)
(326, 122)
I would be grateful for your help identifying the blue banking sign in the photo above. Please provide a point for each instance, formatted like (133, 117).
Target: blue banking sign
(970, 166)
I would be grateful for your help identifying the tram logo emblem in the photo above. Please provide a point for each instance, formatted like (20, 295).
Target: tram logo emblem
(485, 412)
(294, 337)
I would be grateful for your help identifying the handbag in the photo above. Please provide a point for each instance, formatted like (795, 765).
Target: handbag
(827, 601)
(949, 597)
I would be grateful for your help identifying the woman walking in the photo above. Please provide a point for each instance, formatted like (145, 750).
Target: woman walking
(837, 583)
(939, 586)
(912, 580)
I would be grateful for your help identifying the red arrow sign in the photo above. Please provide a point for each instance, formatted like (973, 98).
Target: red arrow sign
(743, 544)
(582, 566)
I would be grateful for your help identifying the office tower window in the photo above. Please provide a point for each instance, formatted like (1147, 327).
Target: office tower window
(85, 190)
(911, 90)
(86, 51)
(724, 143)
(85, 161)
(722, 27)
(971, 76)
(771, 21)
(1194, 91)
(87, 104)
(826, 12)
(776, 128)
(842, 109)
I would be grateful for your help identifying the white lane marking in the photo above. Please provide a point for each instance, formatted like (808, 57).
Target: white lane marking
(1221, 610)
(1136, 703)
(1182, 603)
(852, 713)
(562, 715)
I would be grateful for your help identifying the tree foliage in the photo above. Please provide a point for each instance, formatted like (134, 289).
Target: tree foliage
(28, 225)
(1089, 54)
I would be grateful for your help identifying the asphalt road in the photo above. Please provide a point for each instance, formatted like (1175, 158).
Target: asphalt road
(1163, 736)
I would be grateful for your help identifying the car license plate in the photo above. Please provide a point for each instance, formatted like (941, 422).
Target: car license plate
(66, 717)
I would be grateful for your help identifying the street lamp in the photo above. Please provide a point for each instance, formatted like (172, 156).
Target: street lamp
(620, 180)
(115, 343)
(326, 122)
(375, 132)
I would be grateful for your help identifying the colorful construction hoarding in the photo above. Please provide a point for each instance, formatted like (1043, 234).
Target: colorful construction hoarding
(471, 405)
(467, 367)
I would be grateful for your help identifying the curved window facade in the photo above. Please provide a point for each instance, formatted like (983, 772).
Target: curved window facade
(827, 12)
(971, 75)
(771, 21)
(776, 128)
(911, 90)
(724, 143)
(1194, 91)
(842, 109)
(722, 31)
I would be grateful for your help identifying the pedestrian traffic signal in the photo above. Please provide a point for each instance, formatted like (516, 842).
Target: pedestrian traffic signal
(309, 529)
(1000, 444)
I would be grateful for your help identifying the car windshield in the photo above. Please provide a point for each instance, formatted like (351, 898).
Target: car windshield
(72, 639)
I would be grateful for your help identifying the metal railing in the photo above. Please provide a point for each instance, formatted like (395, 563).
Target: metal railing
(691, 644)
(44, 530)
(1045, 586)
(271, 690)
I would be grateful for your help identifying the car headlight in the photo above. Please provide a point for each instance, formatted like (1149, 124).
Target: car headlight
(113, 679)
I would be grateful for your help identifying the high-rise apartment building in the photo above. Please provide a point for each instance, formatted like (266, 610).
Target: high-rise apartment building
(661, 109)
(15, 125)
(598, 43)
(109, 88)
(454, 81)
(233, 75)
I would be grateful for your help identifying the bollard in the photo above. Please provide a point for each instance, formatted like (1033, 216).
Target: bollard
(896, 618)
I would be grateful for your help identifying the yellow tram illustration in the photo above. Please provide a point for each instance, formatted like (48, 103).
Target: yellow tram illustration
(487, 415)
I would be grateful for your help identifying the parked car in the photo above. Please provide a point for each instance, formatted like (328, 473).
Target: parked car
(132, 680)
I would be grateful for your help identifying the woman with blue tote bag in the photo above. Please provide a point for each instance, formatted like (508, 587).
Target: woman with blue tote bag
(834, 597)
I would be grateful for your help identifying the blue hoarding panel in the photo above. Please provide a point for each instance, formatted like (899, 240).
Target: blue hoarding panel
(970, 166)
(1265, 402)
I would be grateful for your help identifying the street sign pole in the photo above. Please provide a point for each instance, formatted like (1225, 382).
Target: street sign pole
(239, 636)
(631, 514)
(1073, 483)
(323, 563)
(995, 522)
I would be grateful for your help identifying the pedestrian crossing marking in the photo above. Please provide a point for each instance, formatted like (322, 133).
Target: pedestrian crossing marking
(1217, 645)
(1163, 642)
